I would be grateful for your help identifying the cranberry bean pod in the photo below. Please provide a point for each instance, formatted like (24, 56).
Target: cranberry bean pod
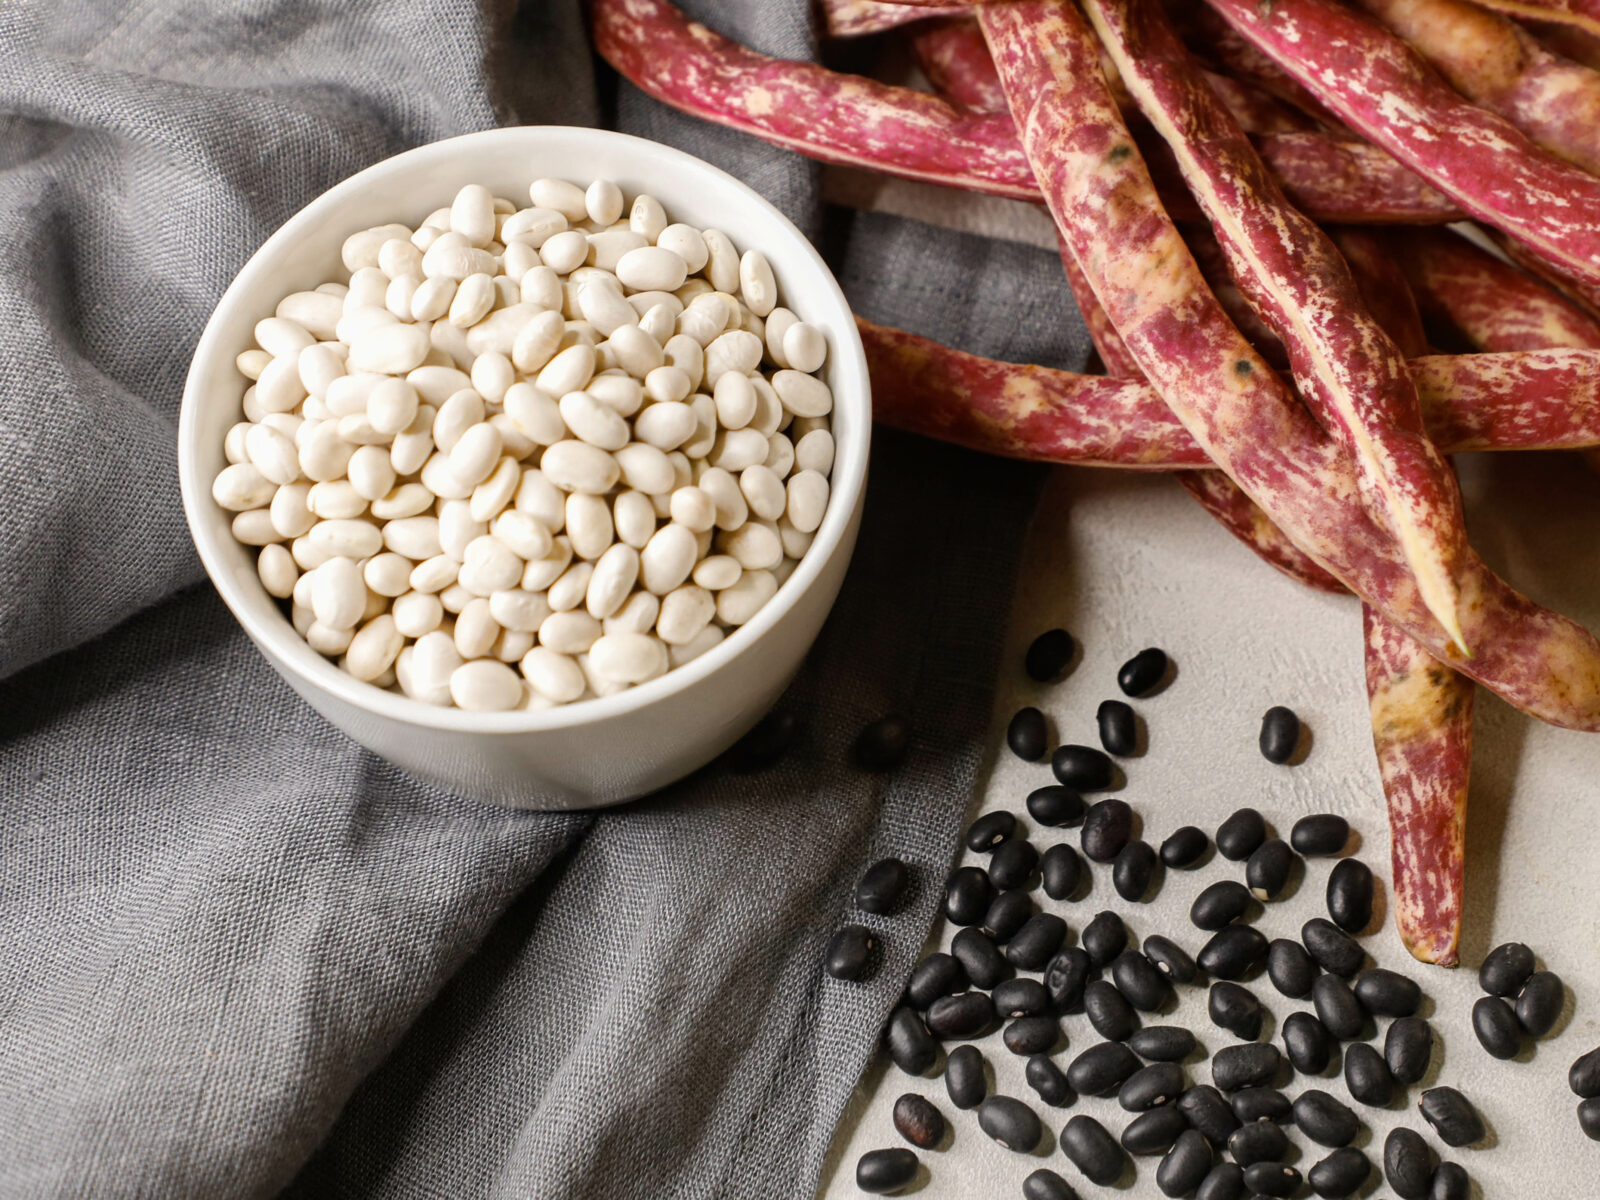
(857, 18)
(1579, 14)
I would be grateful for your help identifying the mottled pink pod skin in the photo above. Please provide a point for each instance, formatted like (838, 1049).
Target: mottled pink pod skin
(1374, 263)
(857, 18)
(1422, 731)
(1257, 110)
(1324, 174)
(1580, 14)
(955, 58)
(1213, 264)
(1210, 37)
(1224, 393)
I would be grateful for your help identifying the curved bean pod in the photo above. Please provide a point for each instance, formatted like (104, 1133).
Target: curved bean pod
(856, 18)
(955, 58)
(1581, 14)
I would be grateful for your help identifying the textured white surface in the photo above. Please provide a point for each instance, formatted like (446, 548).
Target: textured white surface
(1125, 562)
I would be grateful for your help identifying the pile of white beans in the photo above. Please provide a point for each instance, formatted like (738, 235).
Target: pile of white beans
(530, 456)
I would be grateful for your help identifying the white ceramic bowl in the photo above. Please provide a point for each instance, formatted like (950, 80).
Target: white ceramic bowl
(598, 751)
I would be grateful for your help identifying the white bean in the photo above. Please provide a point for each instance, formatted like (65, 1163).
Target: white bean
(665, 426)
(307, 555)
(290, 510)
(456, 415)
(737, 449)
(717, 571)
(438, 478)
(371, 473)
(397, 257)
(814, 452)
(336, 500)
(518, 260)
(566, 198)
(615, 573)
(780, 456)
(412, 446)
(594, 422)
(542, 287)
(755, 545)
(666, 385)
(476, 628)
(457, 528)
(348, 538)
(647, 217)
(472, 214)
(273, 454)
(519, 609)
(703, 321)
(805, 347)
(242, 486)
(565, 252)
(432, 299)
(569, 591)
(485, 686)
(571, 632)
(619, 392)
(279, 387)
(434, 659)
(628, 657)
(808, 500)
(233, 447)
(387, 574)
(603, 202)
(686, 242)
(533, 226)
(803, 395)
(495, 492)
(527, 536)
(391, 405)
(722, 260)
(795, 543)
(609, 247)
(706, 639)
(338, 593)
(589, 526)
(317, 312)
(435, 574)
(634, 517)
(645, 468)
(568, 371)
(389, 349)
(635, 350)
(541, 573)
(732, 510)
(400, 293)
(763, 491)
(602, 305)
(685, 611)
(667, 558)
(540, 498)
(659, 324)
(361, 249)
(652, 269)
(417, 613)
(737, 604)
(492, 565)
(476, 454)
(254, 528)
(693, 508)
(778, 323)
(250, 406)
(372, 651)
(511, 645)
(327, 640)
(637, 615)
(686, 353)
(554, 676)
(736, 400)
(736, 351)
(276, 568)
(576, 466)
(436, 383)
(406, 500)
(704, 437)
(451, 256)
(757, 288)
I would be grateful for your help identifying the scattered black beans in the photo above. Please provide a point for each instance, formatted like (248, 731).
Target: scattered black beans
(1290, 968)
(1496, 1027)
(1308, 1043)
(1105, 937)
(1007, 914)
(1233, 952)
(1208, 1112)
(1386, 993)
(1452, 1116)
(1185, 847)
(1280, 734)
(1261, 1104)
(1031, 1035)
(1407, 1164)
(1267, 871)
(1153, 1132)
(989, 830)
(1225, 1182)
(1141, 981)
(918, 1121)
(1333, 949)
(884, 744)
(1132, 872)
(908, 1042)
(1248, 1065)
(1028, 735)
(1011, 1123)
(1583, 1076)
(1151, 1087)
(1340, 1174)
(1162, 1043)
(765, 744)
(1048, 655)
(1036, 942)
(1350, 895)
(1367, 1075)
(879, 1172)
(1119, 729)
(1091, 1148)
(1240, 834)
(1408, 1048)
(1060, 870)
(964, 1078)
(850, 952)
(1450, 1182)
(937, 975)
(1539, 1006)
(1173, 960)
(968, 895)
(980, 958)
(881, 887)
(1235, 1009)
(1055, 805)
(1082, 768)
(1271, 1179)
(1049, 1081)
(1107, 826)
(1589, 1119)
(956, 1018)
(1102, 1069)
(1012, 863)
(1337, 1008)
(1020, 998)
(1185, 1165)
(1045, 1184)
(1322, 833)
(1258, 1141)
(1505, 969)
(1143, 672)
(1108, 1010)
(1064, 978)
(1325, 1119)
(1220, 904)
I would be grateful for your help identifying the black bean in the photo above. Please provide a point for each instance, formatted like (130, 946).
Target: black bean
(1108, 1010)
(969, 1015)
(1225, 1182)
(1589, 1118)
(1143, 672)
(1325, 1119)
(1105, 937)
(918, 1121)
(1262, 1104)
(1350, 895)
(1055, 805)
(1060, 870)
(1367, 1075)
(1209, 1113)
(1267, 871)
(1031, 1035)
(1036, 942)
(1232, 952)
(765, 744)
(1235, 1009)
(1309, 1044)
(1150, 1087)
(1139, 979)
(1220, 904)
(1452, 1116)
(879, 1172)
(1271, 1179)
(1505, 969)
(964, 1079)
(937, 975)
(1385, 993)
(907, 1040)
(1045, 1184)
(1153, 1132)
(1049, 1081)
(1185, 847)
(1107, 826)
(1090, 1148)
(1407, 1163)
(1539, 1005)
(1290, 968)
(1249, 1065)
(1450, 1182)
(980, 958)
(1258, 1141)
(1240, 834)
(1333, 949)
(989, 830)
(884, 744)
(1020, 998)
(1119, 730)
(1583, 1076)
(1172, 959)
(1012, 863)
(1162, 1043)
(849, 952)
(1082, 768)
(881, 887)
(967, 895)
(1408, 1048)
(1048, 655)
(1496, 1027)
(1280, 734)
(1102, 1069)
(1011, 1123)
(1007, 914)
(1323, 833)
(1133, 870)
(1028, 735)
(1337, 1007)
(1064, 978)
(1185, 1165)
(1340, 1174)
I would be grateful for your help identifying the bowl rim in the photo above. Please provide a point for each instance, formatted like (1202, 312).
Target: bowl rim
(290, 652)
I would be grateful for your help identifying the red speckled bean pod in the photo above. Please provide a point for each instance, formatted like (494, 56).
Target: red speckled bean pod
(1383, 285)
(1241, 516)
(1581, 14)
(1324, 174)
(1422, 730)
(1209, 36)
(856, 18)
(955, 58)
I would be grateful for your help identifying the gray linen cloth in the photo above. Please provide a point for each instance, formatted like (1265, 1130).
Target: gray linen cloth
(243, 957)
